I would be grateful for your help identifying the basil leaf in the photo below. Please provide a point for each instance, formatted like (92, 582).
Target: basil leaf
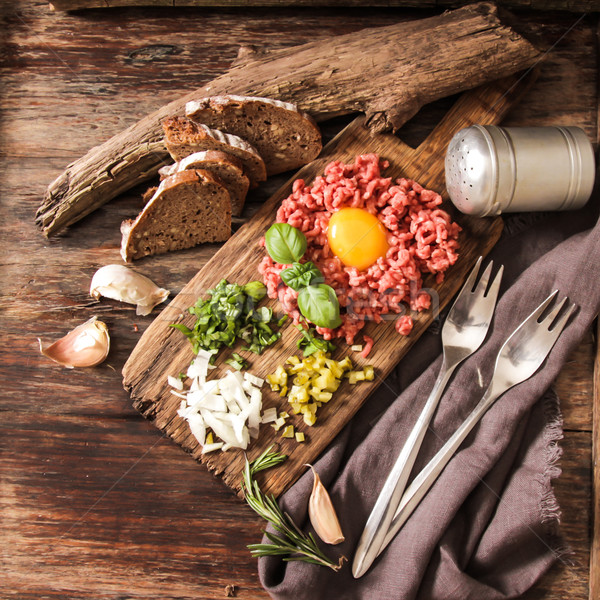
(285, 244)
(301, 275)
(319, 304)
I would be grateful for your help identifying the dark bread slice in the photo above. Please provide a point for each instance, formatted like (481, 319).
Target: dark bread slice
(225, 166)
(187, 209)
(184, 137)
(286, 137)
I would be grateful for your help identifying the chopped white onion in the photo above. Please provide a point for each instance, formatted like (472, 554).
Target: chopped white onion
(269, 416)
(253, 379)
(175, 383)
(230, 407)
(212, 447)
(197, 427)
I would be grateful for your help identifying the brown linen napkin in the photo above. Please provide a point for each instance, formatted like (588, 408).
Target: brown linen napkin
(487, 529)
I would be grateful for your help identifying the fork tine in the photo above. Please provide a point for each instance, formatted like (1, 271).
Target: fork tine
(560, 325)
(470, 282)
(548, 320)
(484, 279)
(537, 313)
(495, 287)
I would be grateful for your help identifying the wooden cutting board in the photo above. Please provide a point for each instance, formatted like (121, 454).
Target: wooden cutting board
(164, 351)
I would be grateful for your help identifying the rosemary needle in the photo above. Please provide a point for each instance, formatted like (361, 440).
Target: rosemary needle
(288, 540)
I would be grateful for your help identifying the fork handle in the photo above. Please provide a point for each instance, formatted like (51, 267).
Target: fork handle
(389, 498)
(425, 479)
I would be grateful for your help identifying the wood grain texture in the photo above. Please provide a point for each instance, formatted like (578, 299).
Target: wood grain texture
(94, 503)
(387, 72)
(571, 5)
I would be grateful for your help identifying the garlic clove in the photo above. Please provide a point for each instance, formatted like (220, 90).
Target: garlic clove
(85, 346)
(322, 515)
(118, 282)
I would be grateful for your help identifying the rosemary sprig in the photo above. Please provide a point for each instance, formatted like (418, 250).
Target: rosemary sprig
(288, 541)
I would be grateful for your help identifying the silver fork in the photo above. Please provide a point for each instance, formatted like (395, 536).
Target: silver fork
(519, 358)
(463, 332)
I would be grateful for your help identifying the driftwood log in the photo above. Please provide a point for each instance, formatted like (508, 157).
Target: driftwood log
(572, 5)
(389, 73)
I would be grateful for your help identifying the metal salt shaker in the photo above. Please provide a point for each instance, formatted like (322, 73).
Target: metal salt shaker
(490, 169)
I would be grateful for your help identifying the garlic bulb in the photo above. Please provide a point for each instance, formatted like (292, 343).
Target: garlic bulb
(121, 283)
(85, 346)
(322, 514)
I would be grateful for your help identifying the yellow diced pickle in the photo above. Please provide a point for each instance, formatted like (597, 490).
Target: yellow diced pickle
(299, 436)
(335, 368)
(301, 378)
(279, 423)
(288, 432)
(309, 419)
(346, 364)
(314, 380)
(298, 394)
(325, 381)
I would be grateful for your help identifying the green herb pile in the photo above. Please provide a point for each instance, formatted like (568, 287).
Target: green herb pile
(230, 314)
(289, 540)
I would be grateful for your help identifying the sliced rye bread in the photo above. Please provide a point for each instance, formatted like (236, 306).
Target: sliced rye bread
(286, 137)
(225, 166)
(187, 209)
(184, 137)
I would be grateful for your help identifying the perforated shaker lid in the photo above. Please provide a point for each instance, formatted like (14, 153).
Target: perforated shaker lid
(472, 172)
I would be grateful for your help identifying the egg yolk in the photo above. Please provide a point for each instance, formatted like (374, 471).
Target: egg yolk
(357, 237)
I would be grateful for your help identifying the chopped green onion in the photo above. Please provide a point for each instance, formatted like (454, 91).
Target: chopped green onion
(237, 362)
(229, 314)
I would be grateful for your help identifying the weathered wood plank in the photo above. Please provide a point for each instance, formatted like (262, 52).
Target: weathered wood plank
(178, 532)
(572, 5)
(576, 391)
(83, 509)
(569, 577)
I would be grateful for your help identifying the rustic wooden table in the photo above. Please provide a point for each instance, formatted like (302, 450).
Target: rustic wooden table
(94, 503)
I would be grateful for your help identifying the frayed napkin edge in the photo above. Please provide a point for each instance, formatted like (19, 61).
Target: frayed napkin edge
(550, 511)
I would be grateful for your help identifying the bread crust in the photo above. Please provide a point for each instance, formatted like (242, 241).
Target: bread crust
(205, 216)
(184, 137)
(225, 166)
(285, 136)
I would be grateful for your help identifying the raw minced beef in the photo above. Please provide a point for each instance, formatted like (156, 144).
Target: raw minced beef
(422, 239)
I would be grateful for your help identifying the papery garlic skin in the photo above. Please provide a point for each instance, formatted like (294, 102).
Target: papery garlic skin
(322, 515)
(122, 283)
(85, 346)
